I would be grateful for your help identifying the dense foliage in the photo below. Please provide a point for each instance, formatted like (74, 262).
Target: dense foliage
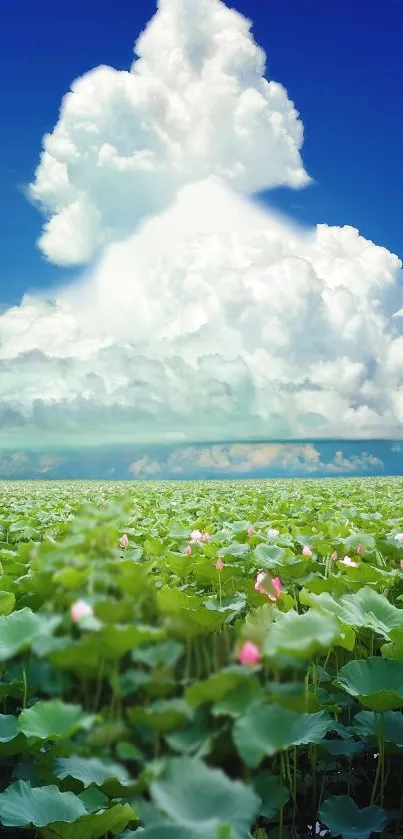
(201, 661)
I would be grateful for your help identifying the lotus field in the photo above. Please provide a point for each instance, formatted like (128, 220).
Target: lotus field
(201, 660)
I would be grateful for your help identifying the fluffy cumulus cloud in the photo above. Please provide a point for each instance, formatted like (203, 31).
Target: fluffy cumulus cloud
(194, 103)
(202, 317)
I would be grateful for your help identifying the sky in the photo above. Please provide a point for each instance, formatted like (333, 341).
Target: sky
(179, 290)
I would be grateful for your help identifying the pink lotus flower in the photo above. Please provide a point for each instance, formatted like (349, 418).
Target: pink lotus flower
(80, 609)
(249, 654)
(124, 541)
(273, 532)
(360, 550)
(349, 562)
(399, 537)
(205, 537)
(306, 551)
(276, 585)
(250, 531)
(188, 550)
(195, 536)
(219, 564)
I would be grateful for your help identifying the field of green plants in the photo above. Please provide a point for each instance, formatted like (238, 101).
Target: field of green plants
(201, 660)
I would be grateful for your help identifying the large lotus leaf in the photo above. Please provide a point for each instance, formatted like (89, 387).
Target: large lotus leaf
(365, 608)
(163, 655)
(19, 629)
(53, 719)
(343, 818)
(7, 602)
(237, 702)
(21, 805)
(272, 792)
(118, 640)
(342, 748)
(269, 557)
(83, 656)
(94, 825)
(192, 794)
(90, 770)
(191, 739)
(366, 574)
(11, 740)
(166, 830)
(376, 682)
(236, 550)
(257, 623)
(8, 728)
(216, 686)
(301, 636)
(368, 608)
(389, 726)
(266, 730)
(163, 715)
(188, 613)
(328, 605)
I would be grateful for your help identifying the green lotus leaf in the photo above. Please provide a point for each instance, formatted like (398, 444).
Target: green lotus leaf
(7, 602)
(237, 702)
(163, 715)
(8, 728)
(19, 629)
(368, 608)
(269, 729)
(94, 825)
(165, 654)
(272, 792)
(21, 806)
(269, 557)
(53, 719)
(216, 686)
(301, 636)
(166, 830)
(376, 682)
(191, 794)
(344, 818)
(90, 770)
(388, 726)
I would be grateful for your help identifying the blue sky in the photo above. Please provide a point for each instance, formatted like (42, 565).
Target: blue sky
(303, 346)
(342, 64)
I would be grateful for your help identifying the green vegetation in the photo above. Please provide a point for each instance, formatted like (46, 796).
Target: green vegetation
(243, 682)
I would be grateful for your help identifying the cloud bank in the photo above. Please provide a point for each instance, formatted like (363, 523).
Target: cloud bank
(204, 462)
(203, 316)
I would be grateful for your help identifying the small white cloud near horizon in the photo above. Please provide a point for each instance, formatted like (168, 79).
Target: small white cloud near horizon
(205, 317)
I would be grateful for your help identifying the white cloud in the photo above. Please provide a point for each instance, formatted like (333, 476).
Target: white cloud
(144, 467)
(245, 458)
(214, 319)
(194, 103)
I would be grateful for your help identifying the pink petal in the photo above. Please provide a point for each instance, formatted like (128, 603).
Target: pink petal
(249, 654)
(80, 609)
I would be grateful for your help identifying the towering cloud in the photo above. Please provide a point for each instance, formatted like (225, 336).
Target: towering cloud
(204, 317)
(194, 103)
